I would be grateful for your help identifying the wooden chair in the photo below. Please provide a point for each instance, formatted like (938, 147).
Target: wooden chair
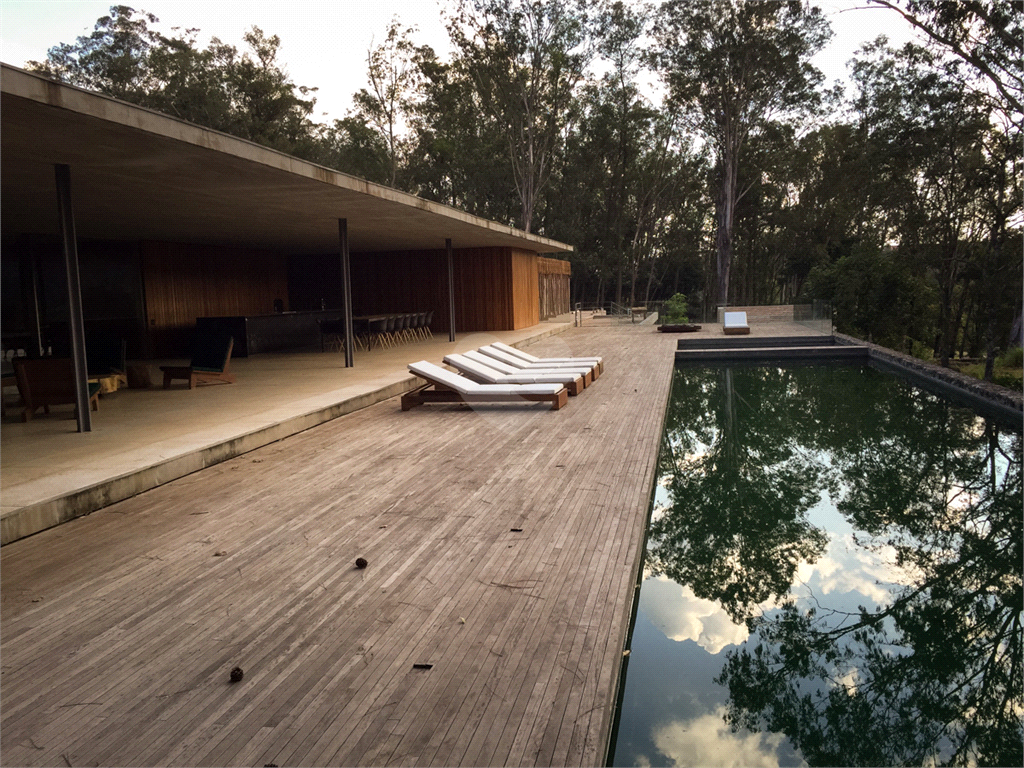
(443, 386)
(209, 363)
(47, 381)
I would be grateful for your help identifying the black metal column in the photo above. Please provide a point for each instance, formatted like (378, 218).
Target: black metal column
(346, 291)
(67, 225)
(451, 291)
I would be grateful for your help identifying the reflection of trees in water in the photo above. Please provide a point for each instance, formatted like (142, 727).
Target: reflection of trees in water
(736, 531)
(934, 674)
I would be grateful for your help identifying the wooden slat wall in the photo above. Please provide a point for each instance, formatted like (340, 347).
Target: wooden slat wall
(525, 296)
(183, 282)
(546, 266)
(553, 279)
(495, 288)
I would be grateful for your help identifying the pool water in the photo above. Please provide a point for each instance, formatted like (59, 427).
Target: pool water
(832, 577)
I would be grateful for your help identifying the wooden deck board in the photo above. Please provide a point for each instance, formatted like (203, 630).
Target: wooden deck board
(124, 658)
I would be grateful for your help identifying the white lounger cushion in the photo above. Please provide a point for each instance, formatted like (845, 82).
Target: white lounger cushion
(734, 320)
(520, 363)
(534, 359)
(486, 373)
(435, 373)
(500, 367)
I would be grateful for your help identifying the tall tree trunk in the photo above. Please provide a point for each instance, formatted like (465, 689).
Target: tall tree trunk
(725, 214)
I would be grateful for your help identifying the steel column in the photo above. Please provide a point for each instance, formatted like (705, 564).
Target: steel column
(346, 292)
(67, 225)
(451, 291)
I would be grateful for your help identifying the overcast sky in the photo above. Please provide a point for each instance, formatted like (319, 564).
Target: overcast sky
(324, 44)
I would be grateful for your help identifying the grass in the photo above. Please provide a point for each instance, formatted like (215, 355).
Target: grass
(1008, 371)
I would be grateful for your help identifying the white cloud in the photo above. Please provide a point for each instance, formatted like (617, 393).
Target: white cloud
(681, 615)
(707, 740)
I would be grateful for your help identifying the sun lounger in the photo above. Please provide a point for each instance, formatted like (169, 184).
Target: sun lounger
(518, 362)
(485, 374)
(444, 386)
(527, 357)
(500, 367)
(735, 323)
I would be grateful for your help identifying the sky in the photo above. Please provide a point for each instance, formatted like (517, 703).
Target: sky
(324, 44)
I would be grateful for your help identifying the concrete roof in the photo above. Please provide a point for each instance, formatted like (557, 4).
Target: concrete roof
(137, 174)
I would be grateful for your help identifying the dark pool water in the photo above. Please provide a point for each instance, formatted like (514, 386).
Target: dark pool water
(833, 577)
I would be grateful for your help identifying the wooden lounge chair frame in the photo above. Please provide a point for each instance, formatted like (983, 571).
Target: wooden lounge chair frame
(47, 381)
(443, 386)
(204, 373)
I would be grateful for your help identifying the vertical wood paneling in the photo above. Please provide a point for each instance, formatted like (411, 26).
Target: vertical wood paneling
(496, 289)
(525, 289)
(183, 282)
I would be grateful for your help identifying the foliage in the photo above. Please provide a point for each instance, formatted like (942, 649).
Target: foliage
(735, 68)
(246, 94)
(900, 204)
(525, 59)
(674, 310)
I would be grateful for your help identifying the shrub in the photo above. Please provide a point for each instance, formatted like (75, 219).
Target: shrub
(675, 311)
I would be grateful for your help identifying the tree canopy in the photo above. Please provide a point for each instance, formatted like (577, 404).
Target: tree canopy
(683, 148)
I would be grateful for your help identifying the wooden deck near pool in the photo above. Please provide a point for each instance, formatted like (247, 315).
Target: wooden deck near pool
(487, 629)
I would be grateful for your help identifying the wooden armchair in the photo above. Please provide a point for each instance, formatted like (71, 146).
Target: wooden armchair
(48, 381)
(209, 363)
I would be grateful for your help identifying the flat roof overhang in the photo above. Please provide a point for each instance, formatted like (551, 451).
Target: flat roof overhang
(137, 174)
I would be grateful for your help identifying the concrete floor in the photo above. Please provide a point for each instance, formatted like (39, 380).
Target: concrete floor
(142, 438)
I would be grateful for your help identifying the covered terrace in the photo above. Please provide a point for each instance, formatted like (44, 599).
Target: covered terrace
(122, 224)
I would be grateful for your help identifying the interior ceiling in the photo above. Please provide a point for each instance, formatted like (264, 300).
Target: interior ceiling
(139, 175)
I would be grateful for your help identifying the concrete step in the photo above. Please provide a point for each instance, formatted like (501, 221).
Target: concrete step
(730, 342)
(827, 352)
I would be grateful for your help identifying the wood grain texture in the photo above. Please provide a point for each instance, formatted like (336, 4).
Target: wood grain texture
(119, 630)
(183, 282)
(495, 288)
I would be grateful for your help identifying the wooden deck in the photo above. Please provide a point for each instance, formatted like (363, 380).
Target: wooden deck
(119, 630)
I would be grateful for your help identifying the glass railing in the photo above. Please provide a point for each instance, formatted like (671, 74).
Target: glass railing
(816, 316)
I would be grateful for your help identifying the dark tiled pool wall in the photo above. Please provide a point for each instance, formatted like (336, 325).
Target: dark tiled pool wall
(747, 342)
(984, 395)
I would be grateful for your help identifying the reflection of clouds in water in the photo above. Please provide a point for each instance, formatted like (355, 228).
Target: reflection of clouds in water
(846, 567)
(707, 740)
(681, 615)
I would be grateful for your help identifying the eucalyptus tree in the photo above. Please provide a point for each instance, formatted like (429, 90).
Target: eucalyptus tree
(931, 134)
(245, 93)
(735, 67)
(527, 60)
(460, 156)
(113, 59)
(985, 34)
(394, 76)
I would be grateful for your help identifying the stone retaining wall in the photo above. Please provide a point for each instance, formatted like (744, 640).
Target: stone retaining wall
(1004, 398)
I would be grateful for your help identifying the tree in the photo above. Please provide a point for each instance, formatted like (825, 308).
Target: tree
(735, 67)
(247, 94)
(526, 60)
(986, 34)
(112, 60)
(394, 75)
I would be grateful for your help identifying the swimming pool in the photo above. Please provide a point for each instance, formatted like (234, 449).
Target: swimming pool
(832, 577)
